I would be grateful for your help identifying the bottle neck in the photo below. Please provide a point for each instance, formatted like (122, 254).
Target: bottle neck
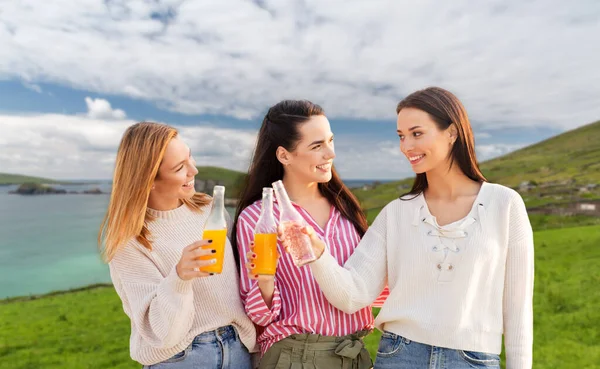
(216, 219)
(267, 206)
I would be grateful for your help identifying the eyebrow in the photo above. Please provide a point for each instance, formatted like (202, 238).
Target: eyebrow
(410, 129)
(181, 162)
(318, 142)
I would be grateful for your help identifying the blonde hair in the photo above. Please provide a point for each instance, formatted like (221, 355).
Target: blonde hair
(139, 156)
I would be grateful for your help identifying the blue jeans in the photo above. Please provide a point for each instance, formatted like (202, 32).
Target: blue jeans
(397, 352)
(218, 349)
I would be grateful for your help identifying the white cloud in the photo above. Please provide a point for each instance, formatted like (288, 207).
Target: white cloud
(101, 109)
(511, 62)
(33, 87)
(490, 151)
(83, 147)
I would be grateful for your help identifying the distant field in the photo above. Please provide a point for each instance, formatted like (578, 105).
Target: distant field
(88, 329)
(11, 179)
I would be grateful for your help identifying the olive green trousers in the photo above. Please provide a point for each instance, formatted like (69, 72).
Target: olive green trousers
(313, 351)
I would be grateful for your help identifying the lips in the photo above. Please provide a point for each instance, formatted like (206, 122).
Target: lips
(414, 159)
(190, 184)
(324, 167)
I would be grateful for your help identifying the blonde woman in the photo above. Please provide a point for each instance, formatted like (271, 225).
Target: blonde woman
(180, 316)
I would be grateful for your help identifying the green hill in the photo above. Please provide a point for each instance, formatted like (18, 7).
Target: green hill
(572, 156)
(231, 179)
(12, 179)
(558, 172)
(88, 328)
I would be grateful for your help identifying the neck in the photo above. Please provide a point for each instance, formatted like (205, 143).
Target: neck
(163, 204)
(448, 184)
(301, 192)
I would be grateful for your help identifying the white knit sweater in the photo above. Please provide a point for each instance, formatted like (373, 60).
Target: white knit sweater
(166, 312)
(459, 286)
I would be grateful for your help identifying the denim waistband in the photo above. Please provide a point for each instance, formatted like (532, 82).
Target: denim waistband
(219, 334)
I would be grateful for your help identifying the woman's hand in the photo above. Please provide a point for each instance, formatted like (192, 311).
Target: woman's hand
(190, 264)
(317, 244)
(251, 256)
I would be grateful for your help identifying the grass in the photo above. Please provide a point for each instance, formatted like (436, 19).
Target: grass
(87, 329)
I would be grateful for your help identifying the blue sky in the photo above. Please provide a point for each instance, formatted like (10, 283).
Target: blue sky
(74, 75)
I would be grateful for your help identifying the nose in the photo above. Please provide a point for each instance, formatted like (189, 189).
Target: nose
(194, 170)
(406, 146)
(330, 152)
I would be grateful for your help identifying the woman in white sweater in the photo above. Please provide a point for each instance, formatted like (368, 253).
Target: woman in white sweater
(180, 316)
(456, 251)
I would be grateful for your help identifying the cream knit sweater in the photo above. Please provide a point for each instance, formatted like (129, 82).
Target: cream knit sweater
(460, 286)
(166, 312)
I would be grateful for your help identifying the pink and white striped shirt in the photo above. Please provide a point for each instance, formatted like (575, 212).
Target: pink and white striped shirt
(298, 304)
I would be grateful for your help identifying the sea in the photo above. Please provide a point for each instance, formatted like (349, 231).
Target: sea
(49, 242)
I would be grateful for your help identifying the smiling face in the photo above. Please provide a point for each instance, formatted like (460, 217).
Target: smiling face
(175, 179)
(424, 144)
(312, 158)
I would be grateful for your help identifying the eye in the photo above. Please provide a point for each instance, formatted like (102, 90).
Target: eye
(417, 134)
(316, 147)
(401, 137)
(180, 168)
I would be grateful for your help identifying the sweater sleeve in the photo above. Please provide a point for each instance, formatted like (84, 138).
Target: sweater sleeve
(518, 289)
(255, 305)
(160, 308)
(364, 275)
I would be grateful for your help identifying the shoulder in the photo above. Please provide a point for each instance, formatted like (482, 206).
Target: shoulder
(404, 203)
(250, 213)
(131, 251)
(502, 196)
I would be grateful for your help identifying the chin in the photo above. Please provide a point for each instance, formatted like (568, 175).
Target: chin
(325, 178)
(188, 195)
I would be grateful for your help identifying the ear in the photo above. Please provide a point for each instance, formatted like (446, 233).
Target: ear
(283, 155)
(452, 133)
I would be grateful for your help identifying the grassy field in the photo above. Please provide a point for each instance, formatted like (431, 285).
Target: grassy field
(10, 179)
(88, 329)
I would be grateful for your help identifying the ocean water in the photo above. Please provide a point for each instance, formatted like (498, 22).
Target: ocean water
(48, 242)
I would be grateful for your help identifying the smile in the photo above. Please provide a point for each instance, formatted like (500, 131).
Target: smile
(415, 159)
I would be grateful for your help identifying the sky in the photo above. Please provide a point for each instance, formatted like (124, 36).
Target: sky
(75, 74)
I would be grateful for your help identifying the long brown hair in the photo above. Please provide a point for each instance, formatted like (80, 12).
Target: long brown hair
(446, 109)
(139, 156)
(280, 127)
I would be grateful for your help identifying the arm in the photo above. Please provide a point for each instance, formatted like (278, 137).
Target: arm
(161, 308)
(360, 281)
(518, 289)
(261, 297)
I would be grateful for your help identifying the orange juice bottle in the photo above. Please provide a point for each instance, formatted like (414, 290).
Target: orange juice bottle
(265, 237)
(215, 229)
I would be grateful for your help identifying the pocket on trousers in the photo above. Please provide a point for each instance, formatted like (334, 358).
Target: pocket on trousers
(284, 361)
(390, 344)
(480, 359)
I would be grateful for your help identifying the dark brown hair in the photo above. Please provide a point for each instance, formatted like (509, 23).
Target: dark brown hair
(280, 127)
(445, 109)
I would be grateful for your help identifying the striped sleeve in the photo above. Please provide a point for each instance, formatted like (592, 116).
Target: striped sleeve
(255, 306)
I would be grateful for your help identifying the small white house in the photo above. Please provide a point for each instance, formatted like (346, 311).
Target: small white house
(586, 207)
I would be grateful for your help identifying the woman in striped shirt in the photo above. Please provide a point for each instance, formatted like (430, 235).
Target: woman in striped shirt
(295, 145)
